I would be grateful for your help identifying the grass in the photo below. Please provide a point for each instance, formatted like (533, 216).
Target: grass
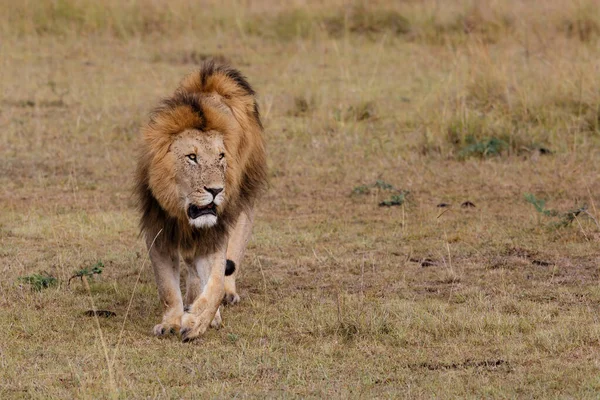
(38, 281)
(340, 297)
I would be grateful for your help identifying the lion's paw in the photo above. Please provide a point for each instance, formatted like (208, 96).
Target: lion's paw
(165, 329)
(171, 323)
(231, 298)
(193, 325)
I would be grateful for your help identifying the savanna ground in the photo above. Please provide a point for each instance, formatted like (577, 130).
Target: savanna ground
(492, 103)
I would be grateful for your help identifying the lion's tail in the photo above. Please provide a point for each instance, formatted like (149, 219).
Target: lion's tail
(229, 84)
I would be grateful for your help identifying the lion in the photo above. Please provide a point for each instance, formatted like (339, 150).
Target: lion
(200, 171)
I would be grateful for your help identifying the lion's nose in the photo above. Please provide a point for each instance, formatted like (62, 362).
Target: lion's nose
(213, 191)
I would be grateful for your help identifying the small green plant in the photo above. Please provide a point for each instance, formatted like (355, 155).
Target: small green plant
(378, 185)
(540, 205)
(89, 272)
(395, 200)
(482, 148)
(362, 189)
(232, 337)
(565, 218)
(39, 281)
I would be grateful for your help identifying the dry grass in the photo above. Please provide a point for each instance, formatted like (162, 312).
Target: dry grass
(451, 101)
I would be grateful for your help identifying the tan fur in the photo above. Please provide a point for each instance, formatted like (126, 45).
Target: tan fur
(214, 105)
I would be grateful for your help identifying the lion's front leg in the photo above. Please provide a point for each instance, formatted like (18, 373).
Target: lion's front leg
(198, 269)
(165, 262)
(205, 307)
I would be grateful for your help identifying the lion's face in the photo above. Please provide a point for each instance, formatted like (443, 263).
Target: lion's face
(200, 164)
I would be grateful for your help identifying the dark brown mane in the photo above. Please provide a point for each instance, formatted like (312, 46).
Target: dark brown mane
(193, 106)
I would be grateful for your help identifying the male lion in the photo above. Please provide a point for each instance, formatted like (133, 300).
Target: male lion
(200, 170)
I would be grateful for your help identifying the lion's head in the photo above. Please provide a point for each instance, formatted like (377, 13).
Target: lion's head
(202, 158)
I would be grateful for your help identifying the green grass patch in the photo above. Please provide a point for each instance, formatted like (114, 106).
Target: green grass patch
(393, 196)
(39, 281)
(485, 148)
(564, 218)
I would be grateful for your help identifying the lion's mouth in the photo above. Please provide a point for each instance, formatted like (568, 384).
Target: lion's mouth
(194, 211)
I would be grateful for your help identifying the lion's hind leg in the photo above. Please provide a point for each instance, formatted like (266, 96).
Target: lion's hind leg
(236, 248)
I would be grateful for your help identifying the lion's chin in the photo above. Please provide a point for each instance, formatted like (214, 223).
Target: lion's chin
(203, 221)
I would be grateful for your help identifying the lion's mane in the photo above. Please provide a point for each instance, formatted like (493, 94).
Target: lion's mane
(217, 97)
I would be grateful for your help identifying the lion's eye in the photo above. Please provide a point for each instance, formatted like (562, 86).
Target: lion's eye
(192, 157)
(221, 156)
